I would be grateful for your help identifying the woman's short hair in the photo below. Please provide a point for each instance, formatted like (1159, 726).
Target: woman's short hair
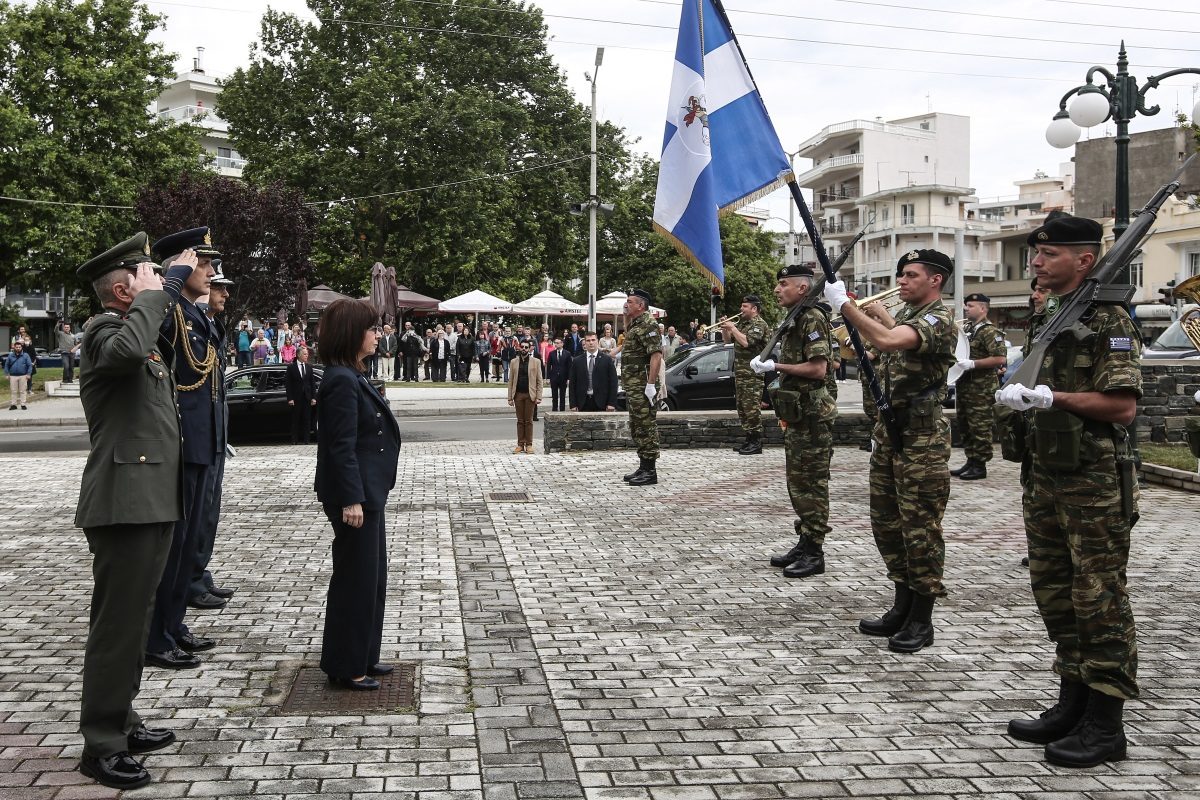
(343, 325)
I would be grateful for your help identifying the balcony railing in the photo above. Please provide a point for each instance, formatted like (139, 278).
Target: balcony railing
(230, 163)
(824, 167)
(863, 125)
(201, 115)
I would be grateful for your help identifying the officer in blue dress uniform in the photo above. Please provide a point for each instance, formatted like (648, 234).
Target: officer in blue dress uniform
(187, 331)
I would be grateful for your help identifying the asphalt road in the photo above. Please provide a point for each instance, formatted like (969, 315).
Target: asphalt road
(413, 429)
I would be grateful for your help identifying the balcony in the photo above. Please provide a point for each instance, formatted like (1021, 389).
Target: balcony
(822, 170)
(201, 115)
(229, 166)
(857, 126)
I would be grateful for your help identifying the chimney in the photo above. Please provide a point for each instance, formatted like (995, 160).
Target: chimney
(198, 61)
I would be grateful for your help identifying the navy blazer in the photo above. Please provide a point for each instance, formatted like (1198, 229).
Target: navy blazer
(358, 442)
(558, 367)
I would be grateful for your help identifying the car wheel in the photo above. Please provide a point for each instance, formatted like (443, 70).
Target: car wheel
(667, 404)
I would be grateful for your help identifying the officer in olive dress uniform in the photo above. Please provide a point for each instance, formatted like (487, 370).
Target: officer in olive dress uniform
(910, 485)
(975, 391)
(641, 363)
(129, 497)
(749, 336)
(806, 410)
(170, 644)
(1080, 497)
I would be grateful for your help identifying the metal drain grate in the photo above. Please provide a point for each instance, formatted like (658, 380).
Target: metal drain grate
(313, 694)
(510, 497)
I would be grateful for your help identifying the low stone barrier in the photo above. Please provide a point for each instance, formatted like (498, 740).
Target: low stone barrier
(1168, 391)
(1172, 478)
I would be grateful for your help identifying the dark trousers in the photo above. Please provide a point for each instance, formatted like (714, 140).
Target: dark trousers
(439, 371)
(410, 368)
(357, 594)
(301, 422)
(427, 369)
(170, 600)
(589, 404)
(68, 362)
(558, 397)
(127, 563)
(206, 541)
(243, 358)
(485, 364)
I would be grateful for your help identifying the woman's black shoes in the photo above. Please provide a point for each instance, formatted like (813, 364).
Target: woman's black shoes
(380, 669)
(366, 684)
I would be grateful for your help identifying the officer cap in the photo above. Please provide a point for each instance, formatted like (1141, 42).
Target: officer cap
(198, 239)
(127, 255)
(642, 293)
(795, 271)
(219, 279)
(1066, 230)
(977, 298)
(930, 258)
(753, 299)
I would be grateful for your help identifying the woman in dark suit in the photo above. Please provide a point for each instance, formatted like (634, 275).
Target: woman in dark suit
(358, 445)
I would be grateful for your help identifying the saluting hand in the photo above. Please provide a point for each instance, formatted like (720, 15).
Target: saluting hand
(143, 279)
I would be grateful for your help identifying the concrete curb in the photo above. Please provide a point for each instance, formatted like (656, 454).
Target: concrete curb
(400, 412)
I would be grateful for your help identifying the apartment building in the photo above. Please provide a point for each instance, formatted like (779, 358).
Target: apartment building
(193, 97)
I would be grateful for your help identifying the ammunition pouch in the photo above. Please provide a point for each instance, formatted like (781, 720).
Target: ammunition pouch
(921, 416)
(1058, 439)
(794, 406)
(1013, 428)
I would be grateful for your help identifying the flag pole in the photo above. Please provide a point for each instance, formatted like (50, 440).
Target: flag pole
(886, 413)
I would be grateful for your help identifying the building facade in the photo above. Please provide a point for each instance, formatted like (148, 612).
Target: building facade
(193, 97)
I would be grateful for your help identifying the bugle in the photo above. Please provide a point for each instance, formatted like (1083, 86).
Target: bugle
(703, 330)
(889, 298)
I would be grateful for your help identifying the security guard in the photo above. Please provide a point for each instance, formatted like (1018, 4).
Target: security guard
(910, 485)
(641, 362)
(170, 644)
(975, 391)
(1080, 496)
(749, 336)
(806, 410)
(129, 497)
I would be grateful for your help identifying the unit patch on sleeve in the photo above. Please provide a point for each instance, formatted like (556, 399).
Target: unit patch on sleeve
(1120, 343)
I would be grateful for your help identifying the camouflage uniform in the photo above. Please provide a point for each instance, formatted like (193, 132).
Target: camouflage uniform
(868, 401)
(1076, 520)
(831, 373)
(747, 384)
(808, 437)
(642, 339)
(909, 489)
(975, 391)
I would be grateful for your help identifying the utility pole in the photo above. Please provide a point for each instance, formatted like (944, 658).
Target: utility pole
(593, 203)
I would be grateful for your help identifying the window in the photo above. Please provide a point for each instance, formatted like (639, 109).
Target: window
(1193, 264)
(713, 363)
(908, 213)
(224, 152)
(1135, 273)
(884, 214)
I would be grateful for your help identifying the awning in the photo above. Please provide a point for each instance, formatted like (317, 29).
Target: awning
(551, 303)
(476, 301)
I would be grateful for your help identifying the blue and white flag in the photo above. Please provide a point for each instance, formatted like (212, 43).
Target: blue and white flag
(720, 150)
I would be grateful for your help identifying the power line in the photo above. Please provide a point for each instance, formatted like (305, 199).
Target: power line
(1124, 7)
(28, 201)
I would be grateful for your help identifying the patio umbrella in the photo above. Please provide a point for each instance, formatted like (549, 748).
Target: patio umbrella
(301, 298)
(476, 301)
(390, 314)
(379, 291)
(321, 296)
(549, 303)
(614, 303)
(408, 300)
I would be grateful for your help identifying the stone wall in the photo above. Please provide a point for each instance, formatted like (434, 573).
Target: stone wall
(1168, 389)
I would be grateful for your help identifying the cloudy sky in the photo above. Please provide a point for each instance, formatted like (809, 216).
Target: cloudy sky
(1003, 64)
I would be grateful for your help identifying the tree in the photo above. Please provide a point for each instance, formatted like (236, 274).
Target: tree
(264, 234)
(76, 80)
(383, 98)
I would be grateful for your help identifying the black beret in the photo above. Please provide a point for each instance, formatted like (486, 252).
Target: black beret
(198, 239)
(642, 293)
(930, 258)
(795, 271)
(977, 298)
(128, 254)
(753, 299)
(1067, 230)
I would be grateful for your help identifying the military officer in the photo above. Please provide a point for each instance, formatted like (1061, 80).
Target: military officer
(641, 362)
(1080, 502)
(910, 484)
(801, 399)
(749, 336)
(129, 497)
(170, 644)
(976, 388)
(203, 591)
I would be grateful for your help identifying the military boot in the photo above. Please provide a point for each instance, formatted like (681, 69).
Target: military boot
(737, 448)
(752, 447)
(917, 632)
(973, 471)
(966, 465)
(1057, 721)
(1099, 736)
(790, 557)
(641, 468)
(648, 475)
(892, 619)
(811, 563)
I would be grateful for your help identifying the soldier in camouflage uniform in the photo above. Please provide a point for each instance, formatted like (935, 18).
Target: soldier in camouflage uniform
(749, 337)
(910, 485)
(641, 363)
(975, 391)
(801, 400)
(1080, 502)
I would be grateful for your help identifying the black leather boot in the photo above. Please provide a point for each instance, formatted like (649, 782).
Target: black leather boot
(917, 632)
(954, 473)
(973, 471)
(641, 468)
(752, 447)
(1057, 721)
(1099, 736)
(737, 448)
(647, 477)
(892, 619)
(790, 557)
(811, 563)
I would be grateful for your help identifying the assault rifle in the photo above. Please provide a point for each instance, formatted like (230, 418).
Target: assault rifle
(1096, 289)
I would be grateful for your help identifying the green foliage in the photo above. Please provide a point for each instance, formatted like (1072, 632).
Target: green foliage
(82, 307)
(405, 101)
(76, 80)
(10, 315)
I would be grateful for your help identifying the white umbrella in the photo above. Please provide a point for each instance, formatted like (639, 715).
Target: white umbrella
(475, 302)
(549, 303)
(614, 303)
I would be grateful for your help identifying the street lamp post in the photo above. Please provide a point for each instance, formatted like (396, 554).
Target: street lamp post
(593, 203)
(1121, 99)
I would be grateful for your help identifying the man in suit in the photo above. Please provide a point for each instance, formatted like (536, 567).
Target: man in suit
(129, 496)
(558, 370)
(385, 352)
(187, 330)
(440, 354)
(412, 347)
(593, 378)
(301, 396)
(573, 343)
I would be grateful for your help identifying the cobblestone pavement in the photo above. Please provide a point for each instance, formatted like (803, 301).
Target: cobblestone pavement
(600, 641)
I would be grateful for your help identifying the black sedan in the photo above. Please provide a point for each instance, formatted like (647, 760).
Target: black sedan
(258, 405)
(700, 378)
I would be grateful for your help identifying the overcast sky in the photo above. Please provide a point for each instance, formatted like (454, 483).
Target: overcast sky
(1004, 64)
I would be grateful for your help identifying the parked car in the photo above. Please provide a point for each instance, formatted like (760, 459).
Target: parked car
(44, 359)
(258, 406)
(700, 378)
(1173, 342)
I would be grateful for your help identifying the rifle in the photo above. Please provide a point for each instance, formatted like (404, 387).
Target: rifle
(815, 293)
(1095, 289)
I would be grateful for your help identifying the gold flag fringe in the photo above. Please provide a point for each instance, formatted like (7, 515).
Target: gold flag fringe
(686, 252)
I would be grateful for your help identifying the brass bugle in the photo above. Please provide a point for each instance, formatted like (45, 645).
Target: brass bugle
(889, 298)
(702, 331)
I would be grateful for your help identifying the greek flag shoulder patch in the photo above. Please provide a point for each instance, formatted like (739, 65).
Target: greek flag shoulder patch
(931, 319)
(1120, 343)
(812, 337)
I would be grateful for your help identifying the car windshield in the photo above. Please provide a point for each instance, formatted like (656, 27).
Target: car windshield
(1173, 338)
(678, 356)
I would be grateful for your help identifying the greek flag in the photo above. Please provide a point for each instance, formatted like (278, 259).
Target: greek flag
(720, 150)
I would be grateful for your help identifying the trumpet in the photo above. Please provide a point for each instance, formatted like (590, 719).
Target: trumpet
(702, 331)
(889, 298)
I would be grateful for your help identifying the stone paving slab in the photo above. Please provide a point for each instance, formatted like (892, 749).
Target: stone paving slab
(602, 641)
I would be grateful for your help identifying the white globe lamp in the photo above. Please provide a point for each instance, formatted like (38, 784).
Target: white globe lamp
(1089, 107)
(1062, 133)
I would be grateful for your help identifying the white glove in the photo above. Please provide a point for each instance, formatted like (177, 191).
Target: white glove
(761, 367)
(835, 295)
(651, 392)
(1021, 399)
(966, 365)
(1198, 396)
(1039, 396)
